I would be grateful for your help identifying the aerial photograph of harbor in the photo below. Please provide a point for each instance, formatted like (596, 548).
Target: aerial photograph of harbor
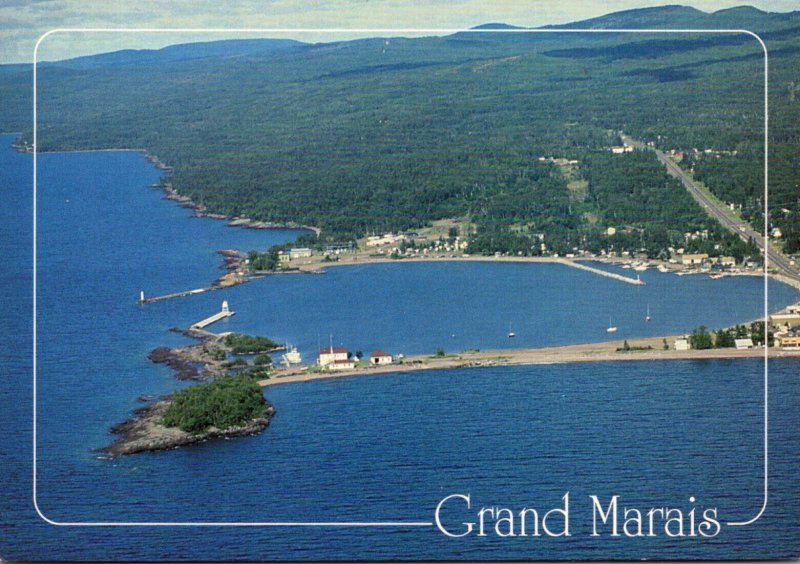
(319, 281)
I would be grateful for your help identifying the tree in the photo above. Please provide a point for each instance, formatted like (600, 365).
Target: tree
(724, 339)
(701, 339)
(262, 360)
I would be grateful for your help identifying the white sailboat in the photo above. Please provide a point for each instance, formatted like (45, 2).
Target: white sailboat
(511, 333)
(647, 317)
(611, 328)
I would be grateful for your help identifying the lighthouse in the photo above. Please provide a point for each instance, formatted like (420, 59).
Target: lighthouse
(225, 307)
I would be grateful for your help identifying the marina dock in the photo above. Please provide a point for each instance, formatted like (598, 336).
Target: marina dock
(221, 314)
(601, 272)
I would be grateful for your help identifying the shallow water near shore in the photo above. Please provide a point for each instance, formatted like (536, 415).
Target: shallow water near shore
(371, 448)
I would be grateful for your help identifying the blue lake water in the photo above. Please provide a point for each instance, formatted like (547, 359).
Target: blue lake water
(371, 448)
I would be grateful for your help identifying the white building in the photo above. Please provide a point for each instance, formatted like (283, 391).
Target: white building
(342, 364)
(742, 344)
(682, 345)
(380, 357)
(300, 252)
(329, 355)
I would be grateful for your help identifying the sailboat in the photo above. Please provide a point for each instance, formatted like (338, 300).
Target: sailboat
(511, 333)
(647, 317)
(611, 328)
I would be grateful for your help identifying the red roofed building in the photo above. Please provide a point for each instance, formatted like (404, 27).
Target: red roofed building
(329, 355)
(380, 357)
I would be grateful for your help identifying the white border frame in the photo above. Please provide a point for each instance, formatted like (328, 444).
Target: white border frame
(382, 32)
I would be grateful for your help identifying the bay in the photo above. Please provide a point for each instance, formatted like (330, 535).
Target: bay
(372, 448)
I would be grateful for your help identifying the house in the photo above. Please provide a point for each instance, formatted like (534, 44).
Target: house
(342, 364)
(727, 261)
(694, 259)
(742, 344)
(784, 321)
(329, 355)
(284, 257)
(788, 340)
(380, 357)
(300, 252)
(682, 345)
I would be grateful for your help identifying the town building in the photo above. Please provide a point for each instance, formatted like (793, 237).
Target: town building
(300, 252)
(742, 344)
(284, 257)
(784, 321)
(342, 364)
(329, 355)
(788, 340)
(385, 239)
(682, 345)
(380, 357)
(699, 258)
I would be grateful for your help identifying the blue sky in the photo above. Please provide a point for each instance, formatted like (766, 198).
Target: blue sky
(22, 22)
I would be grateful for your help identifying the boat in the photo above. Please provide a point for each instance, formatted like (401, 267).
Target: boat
(291, 356)
(640, 267)
(611, 328)
(662, 268)
(647, 317)
(511, 333)
(716, 276)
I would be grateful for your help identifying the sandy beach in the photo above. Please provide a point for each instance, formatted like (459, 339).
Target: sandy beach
(605, 351)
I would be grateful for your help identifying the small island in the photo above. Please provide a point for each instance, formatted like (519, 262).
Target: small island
(230, 406)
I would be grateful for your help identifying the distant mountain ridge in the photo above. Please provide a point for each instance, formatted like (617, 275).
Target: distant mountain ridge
(661, 17)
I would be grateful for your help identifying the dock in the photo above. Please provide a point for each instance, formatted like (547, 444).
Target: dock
(143, 300)
(601, 272)
(221, 314)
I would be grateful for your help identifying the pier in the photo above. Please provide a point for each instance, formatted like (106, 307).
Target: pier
(601, 272)
(143, 300)
(221, 314)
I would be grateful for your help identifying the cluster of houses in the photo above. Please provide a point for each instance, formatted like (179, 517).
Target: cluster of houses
(339, 358)
(787, 327)
(703, 259)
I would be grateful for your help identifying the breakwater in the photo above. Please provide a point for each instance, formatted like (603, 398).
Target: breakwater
(601, 272)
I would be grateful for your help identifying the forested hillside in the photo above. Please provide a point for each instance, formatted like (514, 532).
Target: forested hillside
(385, 134)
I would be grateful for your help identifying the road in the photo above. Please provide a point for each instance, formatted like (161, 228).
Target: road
(777, 260)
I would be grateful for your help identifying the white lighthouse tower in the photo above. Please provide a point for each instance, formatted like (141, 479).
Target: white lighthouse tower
(225, 307)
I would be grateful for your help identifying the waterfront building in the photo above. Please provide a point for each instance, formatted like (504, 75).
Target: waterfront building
(788, 340)
(785, 321)
(682, 345)
(694, 259)
(300, 252)
(742, 344)
(342, 364)
(284, 257)
(380, 357)
(329, 355)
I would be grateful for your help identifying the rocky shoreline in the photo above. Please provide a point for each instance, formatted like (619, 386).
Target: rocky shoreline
(145, 432)
(236, 221)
